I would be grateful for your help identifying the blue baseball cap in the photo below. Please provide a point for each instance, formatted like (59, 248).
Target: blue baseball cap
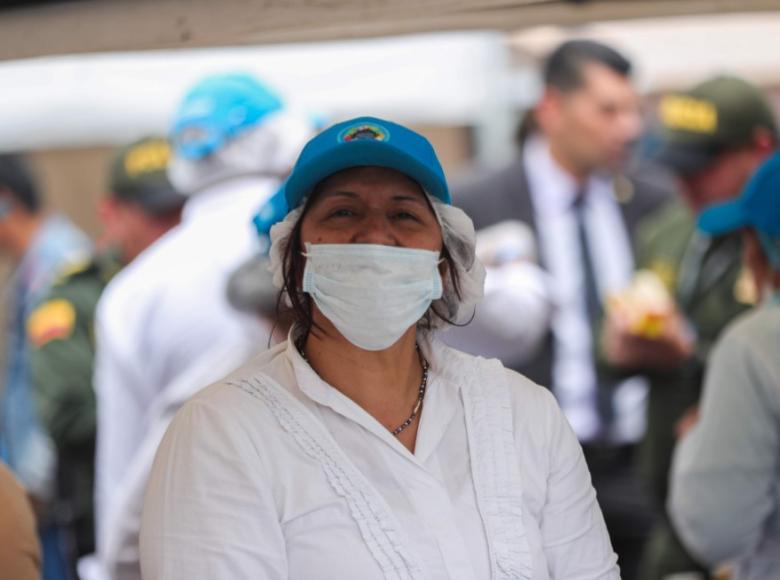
(365, 141)
(758, 206)
(272, 211)
(217, 109)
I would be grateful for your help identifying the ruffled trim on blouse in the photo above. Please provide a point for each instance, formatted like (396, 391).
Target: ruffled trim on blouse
(494, 465)
(489, 422)
(378, 526)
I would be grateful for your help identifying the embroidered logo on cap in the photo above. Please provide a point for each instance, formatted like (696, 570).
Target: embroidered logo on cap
(689, 114)
(364, 132)
(147, 158)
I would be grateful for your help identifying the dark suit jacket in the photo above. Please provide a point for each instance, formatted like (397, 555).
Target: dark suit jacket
(496, 196)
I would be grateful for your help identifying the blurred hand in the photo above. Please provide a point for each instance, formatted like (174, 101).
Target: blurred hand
(687, 422)
(666, 351)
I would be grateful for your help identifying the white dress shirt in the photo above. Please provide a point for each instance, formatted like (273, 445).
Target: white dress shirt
(553, 193)
(164, 329)
(273, 474)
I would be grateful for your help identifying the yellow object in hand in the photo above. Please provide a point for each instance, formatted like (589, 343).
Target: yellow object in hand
(645, 306)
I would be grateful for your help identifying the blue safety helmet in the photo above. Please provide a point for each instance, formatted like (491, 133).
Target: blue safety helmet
(216, 110)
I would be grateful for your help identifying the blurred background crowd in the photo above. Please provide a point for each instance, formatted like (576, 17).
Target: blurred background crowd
(138, 189)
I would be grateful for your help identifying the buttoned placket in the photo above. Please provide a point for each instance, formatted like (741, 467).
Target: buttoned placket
(419, 471)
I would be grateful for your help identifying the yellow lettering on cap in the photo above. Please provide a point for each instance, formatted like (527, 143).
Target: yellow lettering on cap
(689, 114)
(52, 320)
(147, 158)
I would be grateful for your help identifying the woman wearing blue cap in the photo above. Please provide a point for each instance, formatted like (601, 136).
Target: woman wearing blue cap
(362, 447)
(725, 483)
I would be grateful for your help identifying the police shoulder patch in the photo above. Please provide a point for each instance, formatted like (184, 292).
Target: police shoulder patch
(52, 320)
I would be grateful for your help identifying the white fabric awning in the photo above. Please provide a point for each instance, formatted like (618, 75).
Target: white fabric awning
(78, 26)
(112, 98)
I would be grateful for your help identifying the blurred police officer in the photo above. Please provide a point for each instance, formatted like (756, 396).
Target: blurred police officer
(725, 489)
(716, 135)
(39, 244)
(164, 325)
(563, 185)
(140, 207)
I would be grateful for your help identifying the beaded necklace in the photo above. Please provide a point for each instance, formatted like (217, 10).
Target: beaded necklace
(421, 393)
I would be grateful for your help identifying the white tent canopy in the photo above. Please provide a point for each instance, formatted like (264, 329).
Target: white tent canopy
(467, 78)
(674, 52)
(479, 79)
(446, 79)
(45, 28)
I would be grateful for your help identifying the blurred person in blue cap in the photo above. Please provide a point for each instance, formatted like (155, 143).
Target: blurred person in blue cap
(362, 447)
(39, 244)
(140, 206)
(250, 288)
(716, 134)
(725, 485)
(164, 327)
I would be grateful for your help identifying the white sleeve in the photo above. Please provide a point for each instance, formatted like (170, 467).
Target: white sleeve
(116, 381)
(119, 549)
(184, 328)
(513, 318)
(517, 304)
(208, 511)
(724, 470)
(574, 536)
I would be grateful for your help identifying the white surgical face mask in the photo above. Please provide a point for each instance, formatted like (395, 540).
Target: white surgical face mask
(371, 293)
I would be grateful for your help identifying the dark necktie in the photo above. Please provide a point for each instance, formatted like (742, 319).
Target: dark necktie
(595, 311)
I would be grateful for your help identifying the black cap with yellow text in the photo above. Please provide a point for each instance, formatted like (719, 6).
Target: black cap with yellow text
(139, 175)
(717, 115)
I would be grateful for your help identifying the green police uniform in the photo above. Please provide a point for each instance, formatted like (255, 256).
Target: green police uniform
(61, 336)
(704, 275)
(707, 280)
(60, 332)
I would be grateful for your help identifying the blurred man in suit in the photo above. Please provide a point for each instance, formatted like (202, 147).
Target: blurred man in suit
(566, 186)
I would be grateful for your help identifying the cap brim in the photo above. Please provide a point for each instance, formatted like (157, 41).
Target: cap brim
(685, 158)
(154, 201)
(723, 218)
(359, 154)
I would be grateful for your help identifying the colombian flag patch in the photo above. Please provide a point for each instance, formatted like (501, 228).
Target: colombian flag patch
(52, 320)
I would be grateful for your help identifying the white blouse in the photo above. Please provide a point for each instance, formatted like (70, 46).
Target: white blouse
(273, 474)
